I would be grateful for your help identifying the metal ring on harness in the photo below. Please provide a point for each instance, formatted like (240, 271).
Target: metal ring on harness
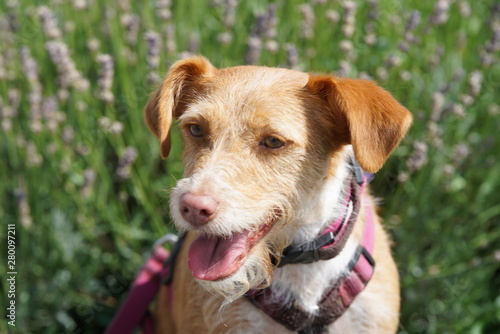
(167, 238)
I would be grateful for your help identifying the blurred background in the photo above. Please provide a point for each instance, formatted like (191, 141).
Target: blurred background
(82, 179)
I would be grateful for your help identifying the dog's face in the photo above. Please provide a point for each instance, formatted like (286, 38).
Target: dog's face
(259, 143)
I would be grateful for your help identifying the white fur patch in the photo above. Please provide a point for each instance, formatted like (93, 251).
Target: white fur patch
(306, 283)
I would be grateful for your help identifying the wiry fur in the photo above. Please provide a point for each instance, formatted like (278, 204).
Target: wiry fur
(298, 188)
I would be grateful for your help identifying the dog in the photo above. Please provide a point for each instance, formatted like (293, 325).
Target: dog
(271, 158)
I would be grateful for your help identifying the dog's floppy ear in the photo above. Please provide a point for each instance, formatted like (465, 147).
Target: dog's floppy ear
(172, 96)
(364, 115)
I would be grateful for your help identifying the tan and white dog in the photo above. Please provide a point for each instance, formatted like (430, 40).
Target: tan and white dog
(267, 154)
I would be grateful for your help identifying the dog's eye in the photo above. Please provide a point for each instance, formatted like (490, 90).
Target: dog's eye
(195, 130)
(273, 142)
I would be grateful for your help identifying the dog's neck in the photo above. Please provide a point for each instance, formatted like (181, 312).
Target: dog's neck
(306, 283)
(320, 210)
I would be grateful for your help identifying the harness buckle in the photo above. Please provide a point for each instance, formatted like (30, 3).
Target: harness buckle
(358, 172)
(308, 252)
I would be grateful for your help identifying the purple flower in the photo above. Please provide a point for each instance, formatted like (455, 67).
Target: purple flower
(68, 73)
(349, 18)
(30, 68)
(308, 20)
(170, 44)
(105, 81)
(23, 207)
(153, 56)
(441, 12)
(89, 176)
(163, 9)
(475, 83)
(49, 23)
(292, 55)
(254, 48)
(125, 163)
(230, 13)
(418, 158)
(131, 23)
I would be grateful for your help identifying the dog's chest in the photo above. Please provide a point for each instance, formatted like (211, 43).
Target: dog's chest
(247, 319)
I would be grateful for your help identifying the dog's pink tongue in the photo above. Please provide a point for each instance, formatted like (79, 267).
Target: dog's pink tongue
(212, 258)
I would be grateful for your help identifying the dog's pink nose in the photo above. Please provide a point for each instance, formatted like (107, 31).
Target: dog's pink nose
(197, 209)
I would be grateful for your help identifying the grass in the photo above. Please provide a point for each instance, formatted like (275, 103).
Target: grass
(82, 180)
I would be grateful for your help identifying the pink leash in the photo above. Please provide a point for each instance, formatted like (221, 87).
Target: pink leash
(134, 311)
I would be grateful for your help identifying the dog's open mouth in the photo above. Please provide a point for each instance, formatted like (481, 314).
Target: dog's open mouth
(212, 258)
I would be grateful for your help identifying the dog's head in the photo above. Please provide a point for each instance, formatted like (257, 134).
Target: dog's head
(258, 143)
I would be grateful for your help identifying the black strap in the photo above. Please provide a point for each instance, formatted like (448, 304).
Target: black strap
(306, 253)
(170, 262)
(310, 252)
(315, 250)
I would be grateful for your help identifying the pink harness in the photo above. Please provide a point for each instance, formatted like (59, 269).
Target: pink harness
(134, 311)
(341, 293)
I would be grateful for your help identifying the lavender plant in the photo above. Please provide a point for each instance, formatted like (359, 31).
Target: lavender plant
(82, 180)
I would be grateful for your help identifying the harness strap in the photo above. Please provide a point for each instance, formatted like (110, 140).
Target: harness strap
(340, 295)
(134, 311)
(336, 299)
(331, 242)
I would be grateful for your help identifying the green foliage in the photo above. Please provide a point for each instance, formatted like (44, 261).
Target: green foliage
(82, 180)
